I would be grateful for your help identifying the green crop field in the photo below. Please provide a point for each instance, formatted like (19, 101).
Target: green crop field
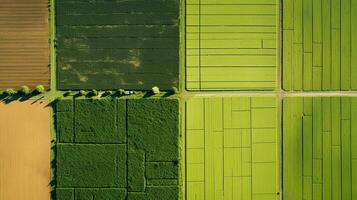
(117, 149)
(319, 45)
(117, 44)
(232, 148)
(320, 148)
(232, 45)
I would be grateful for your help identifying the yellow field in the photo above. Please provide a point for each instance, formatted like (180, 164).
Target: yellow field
(25, 151)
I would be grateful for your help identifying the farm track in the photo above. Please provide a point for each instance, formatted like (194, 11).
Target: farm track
(24, 47)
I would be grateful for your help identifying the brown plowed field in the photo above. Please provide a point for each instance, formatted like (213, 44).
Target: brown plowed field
(24, 43)
(25, 151)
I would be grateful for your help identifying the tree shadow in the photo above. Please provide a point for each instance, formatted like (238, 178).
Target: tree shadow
(6, 98)
(26, 97)
(168, 94)
(53, 182)
(148, 94)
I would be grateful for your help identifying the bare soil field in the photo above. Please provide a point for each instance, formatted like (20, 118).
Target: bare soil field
(24, 45)
(25, 150)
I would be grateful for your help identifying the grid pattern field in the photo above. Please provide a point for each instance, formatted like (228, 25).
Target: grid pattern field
(24, 44)
(117, 44)
(319, 148)
(232, 45)
(319, 45)
(117, 149)
(232, 148)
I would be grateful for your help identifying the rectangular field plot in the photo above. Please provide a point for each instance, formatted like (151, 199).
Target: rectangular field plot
(232, 148)
(117, 44)
(232, 45)
(117, 149)
(24, 43)
(25, 148)
(320, 148)
(320, 45)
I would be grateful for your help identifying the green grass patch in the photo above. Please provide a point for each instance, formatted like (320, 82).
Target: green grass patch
(92, 166)
(100, 194)
(162, 170)
(100, 121)
(153, 127)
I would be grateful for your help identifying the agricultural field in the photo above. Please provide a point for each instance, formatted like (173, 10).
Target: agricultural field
(117, 149)
(254, 100)
(117, 44)
(232, 45)
(24, 43)
(232, 148)
(25, 150)
(319, 45)
(320, 148)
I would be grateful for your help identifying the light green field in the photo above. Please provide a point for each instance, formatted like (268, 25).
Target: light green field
(232, 148)
(320, 45)
(232, 45)
(320, 148)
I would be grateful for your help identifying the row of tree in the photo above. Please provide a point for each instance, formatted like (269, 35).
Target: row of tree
(120, 92)
(24, 90)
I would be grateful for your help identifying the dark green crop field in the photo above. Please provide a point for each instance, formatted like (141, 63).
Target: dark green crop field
(117, 44)
(117, 149)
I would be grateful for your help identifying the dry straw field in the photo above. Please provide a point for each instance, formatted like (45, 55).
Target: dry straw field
(24, 151)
